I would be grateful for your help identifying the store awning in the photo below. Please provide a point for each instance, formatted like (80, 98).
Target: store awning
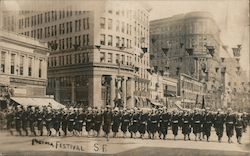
(37, 102)
(157, 104)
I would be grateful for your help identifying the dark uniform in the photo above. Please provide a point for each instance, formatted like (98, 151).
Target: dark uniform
(245, 122)
(219, 125)
(207, 124)
(10, 121)
(71, 121)
(89, 121)
(107, 119)
(196, 123)
(125, 120)
(230, 121)
(239, 128)
(40, 119)
(80, 118)
(116, 120)
(186, 123)
(18, 122)
(48, 122)
(175, 124)
(142, 123)
(24, 118)
(135, 123)
(57, 119)
(98, 119)
(65, 123)
(154, 124)
(165, 119)
(32, 121)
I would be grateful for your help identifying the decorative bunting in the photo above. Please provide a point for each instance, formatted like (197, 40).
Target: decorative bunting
(165, 50)
(189, 51)
(236, 52)
(211, 50)
(144, 49)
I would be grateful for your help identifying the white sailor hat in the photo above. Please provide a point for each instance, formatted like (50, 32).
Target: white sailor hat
(116, 109)
(89, 108)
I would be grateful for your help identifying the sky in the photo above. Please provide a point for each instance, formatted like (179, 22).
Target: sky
(232, 17)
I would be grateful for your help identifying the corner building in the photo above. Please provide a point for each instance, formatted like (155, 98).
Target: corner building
(23, 65)
(180, 44)
(97, 55)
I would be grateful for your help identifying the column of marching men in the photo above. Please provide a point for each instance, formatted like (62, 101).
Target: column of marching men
(155, 122)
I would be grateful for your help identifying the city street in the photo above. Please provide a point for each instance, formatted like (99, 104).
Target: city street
(20, 145)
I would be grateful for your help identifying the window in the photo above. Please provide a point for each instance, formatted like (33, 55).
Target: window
(21, 64)
(102, 39)
(102, 57)
(67, 43)
(63, 44)
(70, 24)
(117, 59)
(84, 26)
(127, 28)
(63, 29)
(3, 62)
(117, 26)
(70, 42)
(67, 27)
(117, 12)
(40, 69)
(117, 41)
(83, 40)
(123, 27)
(123, 59)
(110, 38)
(123, 42)
(87, 23)
(110, 24)
(109, 59)
(12, 64)
(30, 67)
(87, 36)
(79, 40)
(102, 23)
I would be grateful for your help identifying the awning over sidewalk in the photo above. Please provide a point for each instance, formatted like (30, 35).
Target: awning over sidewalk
(157, 104)
(37, 102)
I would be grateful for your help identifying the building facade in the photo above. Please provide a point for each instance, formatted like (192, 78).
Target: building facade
(190, 44)
(99, 55)
(23, 67)
(191, 90)
(163, 89)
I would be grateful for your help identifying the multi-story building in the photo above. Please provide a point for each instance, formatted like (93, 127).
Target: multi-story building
(99, 55)
(191, 90)
(236, 86)
(23, 70)
(188, 43)
(162, 89)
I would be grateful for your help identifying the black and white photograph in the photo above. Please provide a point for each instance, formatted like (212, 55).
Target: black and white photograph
(124, 78)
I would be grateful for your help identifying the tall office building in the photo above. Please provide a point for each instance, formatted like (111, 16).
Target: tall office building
(188, 43)
(99, 50)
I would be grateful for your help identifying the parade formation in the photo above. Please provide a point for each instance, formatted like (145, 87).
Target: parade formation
(32, 121)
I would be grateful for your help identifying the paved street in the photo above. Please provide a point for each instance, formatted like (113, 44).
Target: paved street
(17, 145)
